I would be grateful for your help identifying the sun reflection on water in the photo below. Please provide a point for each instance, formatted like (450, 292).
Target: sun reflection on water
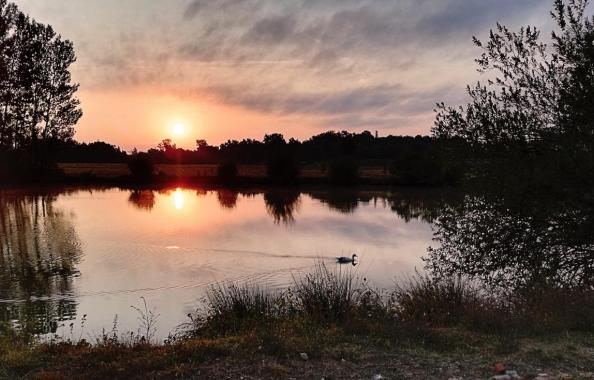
(179, 199)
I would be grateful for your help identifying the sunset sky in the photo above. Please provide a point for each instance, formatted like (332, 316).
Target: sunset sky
(231, 69)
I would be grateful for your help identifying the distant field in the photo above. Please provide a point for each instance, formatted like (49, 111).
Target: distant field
(192, 170)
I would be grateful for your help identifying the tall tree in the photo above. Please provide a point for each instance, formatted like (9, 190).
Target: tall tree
(36, 90)
(539, 91)
(534, 116)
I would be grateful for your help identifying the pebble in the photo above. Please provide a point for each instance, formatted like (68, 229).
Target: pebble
(509, 375)
(304, 356)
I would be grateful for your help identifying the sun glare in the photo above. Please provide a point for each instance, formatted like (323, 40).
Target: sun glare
(179, 199)
(179, 129)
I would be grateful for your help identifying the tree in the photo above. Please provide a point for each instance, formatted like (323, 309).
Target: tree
(532, 122)
(201, 144)
(540, 92)
(37, 96)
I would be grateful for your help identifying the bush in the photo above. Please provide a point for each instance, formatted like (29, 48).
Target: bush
(227, 172)
(23, 165)
(436, 302)
(344, 171)
(326, 296)
(231, 307)
(423, 169)
(141, 166)
(282, 168)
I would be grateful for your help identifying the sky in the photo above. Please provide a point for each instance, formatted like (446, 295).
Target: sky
(233, 69)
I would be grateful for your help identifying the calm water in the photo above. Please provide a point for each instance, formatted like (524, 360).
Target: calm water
(69, 253)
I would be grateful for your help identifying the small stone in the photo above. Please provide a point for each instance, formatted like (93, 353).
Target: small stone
(378, 377)
(500, 368)
(304, 356)
(513, 374)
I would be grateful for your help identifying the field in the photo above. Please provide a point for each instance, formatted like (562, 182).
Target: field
(110, 171)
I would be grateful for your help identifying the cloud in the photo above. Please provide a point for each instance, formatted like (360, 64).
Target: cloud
(357, 62)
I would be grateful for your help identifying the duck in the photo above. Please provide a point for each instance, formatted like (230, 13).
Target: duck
(347, 260)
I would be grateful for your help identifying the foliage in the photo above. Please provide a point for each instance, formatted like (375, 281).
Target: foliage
(343, 171)
(141, 166)
(534, 115)
(282, 167)
(509, 247)
(37, 97)
(227, 171)
(325, 295)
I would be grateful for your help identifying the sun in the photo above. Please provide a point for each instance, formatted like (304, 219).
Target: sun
(179, 129)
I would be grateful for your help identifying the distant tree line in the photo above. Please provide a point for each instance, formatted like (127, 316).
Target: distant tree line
(412, 160)
(38, 106)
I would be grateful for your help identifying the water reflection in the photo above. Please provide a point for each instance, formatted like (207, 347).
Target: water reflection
(179, 199)
(511, 248)
(39, 251)
(50, 272)
(142, 199)
(265, 235)
(282, 205)
(227, 198)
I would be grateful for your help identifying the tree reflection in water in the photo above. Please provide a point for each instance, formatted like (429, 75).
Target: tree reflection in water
(227, 198)
(511, 248)
(142, 199)
(39, 251)
(282, 205)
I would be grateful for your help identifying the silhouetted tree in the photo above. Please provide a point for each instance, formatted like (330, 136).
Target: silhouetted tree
(537, 109)
(343, 171)
(227, 172)
(141, 166)
(37, 95)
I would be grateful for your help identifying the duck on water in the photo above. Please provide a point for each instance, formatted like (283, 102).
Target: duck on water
(347, 260)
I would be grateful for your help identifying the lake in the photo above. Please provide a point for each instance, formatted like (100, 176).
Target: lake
(85, 256)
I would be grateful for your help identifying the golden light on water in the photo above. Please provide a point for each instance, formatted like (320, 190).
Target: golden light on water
(179, 199)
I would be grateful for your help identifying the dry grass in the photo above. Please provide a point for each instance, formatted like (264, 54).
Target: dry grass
(425, 329)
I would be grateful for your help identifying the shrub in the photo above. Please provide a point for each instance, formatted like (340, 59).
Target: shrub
(22, 165)
(141, 166)
(418, 169)
(230, 307)
(344, 171)
(436, 302)
(227, 172)
(282, 167)
(326, 296)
